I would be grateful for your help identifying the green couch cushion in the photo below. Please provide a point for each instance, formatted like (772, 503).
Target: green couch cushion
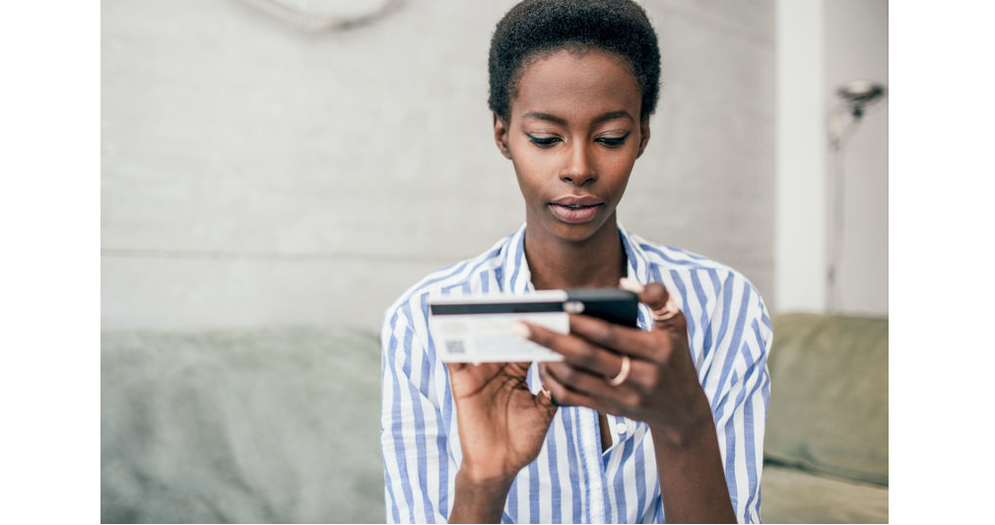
(828, 407)
(250, 426)
(793, 496)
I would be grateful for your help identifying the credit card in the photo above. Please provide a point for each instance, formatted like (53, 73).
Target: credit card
(477, 328)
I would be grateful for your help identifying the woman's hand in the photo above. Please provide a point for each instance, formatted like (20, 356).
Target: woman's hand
(661, 385)
(502, 427)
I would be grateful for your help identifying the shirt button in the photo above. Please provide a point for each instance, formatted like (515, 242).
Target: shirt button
(620, 428)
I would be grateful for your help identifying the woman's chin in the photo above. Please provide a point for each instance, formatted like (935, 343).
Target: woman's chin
(576, 232)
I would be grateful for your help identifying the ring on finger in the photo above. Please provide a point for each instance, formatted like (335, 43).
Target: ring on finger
(623, 374)
(545, 391)
(668, 311)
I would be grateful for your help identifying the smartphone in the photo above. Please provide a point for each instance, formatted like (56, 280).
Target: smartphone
(477, 328)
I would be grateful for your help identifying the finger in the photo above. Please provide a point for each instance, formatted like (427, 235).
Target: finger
(577, 351)
(561, 394)
(589, 384)
(665, 305)
(576, 387)
(642, 377)
(544, 398)
(621, 339)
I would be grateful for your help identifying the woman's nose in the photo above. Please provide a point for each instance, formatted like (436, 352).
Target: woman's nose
(578, 170)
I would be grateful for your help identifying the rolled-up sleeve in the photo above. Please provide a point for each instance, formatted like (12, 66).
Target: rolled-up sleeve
(411, 434)
(740, 389)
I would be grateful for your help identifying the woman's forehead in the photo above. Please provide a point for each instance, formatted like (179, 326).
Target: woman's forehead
(571, 85)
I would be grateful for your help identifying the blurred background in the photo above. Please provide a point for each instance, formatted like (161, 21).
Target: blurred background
(255, 172)
(276, 172)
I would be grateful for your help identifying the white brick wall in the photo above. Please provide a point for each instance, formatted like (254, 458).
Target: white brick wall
(255, 174)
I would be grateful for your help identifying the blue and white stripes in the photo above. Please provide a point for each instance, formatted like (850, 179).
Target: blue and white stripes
(573, 480)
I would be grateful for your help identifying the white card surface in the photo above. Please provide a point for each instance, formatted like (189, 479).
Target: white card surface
(477, 328)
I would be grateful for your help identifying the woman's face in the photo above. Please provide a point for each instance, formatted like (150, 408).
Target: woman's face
(573, 135)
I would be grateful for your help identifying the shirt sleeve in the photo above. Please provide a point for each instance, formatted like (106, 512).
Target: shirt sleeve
(740, 388)
(412, 438)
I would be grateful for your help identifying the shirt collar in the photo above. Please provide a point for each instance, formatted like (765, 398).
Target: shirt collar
(516, 277)
(638, 270)
(515, 274)
(638, 266)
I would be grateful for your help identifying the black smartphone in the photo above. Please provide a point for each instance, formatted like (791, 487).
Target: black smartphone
(611, 304)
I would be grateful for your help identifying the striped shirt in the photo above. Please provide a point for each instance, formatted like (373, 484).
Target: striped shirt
(573, 480)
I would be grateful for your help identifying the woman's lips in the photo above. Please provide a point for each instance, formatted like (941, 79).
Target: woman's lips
(575, 213)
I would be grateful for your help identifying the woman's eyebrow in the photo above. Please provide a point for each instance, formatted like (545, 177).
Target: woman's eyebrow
(612, 115)
(545, 116)
(604, 117)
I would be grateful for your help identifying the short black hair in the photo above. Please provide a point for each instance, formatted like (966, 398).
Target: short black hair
(536, 27)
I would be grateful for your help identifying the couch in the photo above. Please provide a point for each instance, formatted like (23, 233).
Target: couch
(282, 424)
(826, 444)
(241, 426)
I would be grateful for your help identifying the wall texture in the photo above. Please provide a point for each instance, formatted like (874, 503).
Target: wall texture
(255, 174)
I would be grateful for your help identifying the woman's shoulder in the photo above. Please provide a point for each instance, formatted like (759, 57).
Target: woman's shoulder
(672, 257)
(714, 296)
(465, 276)
(692, 273)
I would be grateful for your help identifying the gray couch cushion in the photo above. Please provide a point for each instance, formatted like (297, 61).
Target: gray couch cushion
(793, 496)
(278, 425)
(829, 395)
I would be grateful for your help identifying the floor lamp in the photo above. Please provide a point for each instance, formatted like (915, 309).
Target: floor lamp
(855, 96)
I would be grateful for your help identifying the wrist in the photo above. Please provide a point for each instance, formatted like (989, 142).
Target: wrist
(479, 499)
(696, 427)
(483, 482)
(681, 438)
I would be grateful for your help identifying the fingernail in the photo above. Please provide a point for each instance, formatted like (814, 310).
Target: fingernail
(520, 329)
(628, 284)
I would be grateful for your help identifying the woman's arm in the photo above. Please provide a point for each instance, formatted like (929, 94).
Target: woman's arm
(688, 461)
(692, 481)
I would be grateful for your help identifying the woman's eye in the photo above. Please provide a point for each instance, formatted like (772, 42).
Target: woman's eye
(543, 142)
(613, 142)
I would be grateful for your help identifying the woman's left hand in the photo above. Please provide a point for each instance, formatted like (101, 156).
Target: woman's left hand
(661, 387)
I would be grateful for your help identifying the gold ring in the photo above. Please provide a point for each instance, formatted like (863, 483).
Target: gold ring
(623, 373)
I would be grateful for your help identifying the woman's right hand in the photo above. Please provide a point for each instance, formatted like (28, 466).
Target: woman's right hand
(502, 427)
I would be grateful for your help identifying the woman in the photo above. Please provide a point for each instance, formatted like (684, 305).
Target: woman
(634, 425)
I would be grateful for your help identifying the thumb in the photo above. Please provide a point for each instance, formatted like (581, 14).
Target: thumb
(664, 304)
(544, 398)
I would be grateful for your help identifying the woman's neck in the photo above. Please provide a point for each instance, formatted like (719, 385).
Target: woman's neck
(597, 262)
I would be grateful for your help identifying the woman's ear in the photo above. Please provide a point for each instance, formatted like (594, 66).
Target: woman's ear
(501, 135)
(644, 135)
